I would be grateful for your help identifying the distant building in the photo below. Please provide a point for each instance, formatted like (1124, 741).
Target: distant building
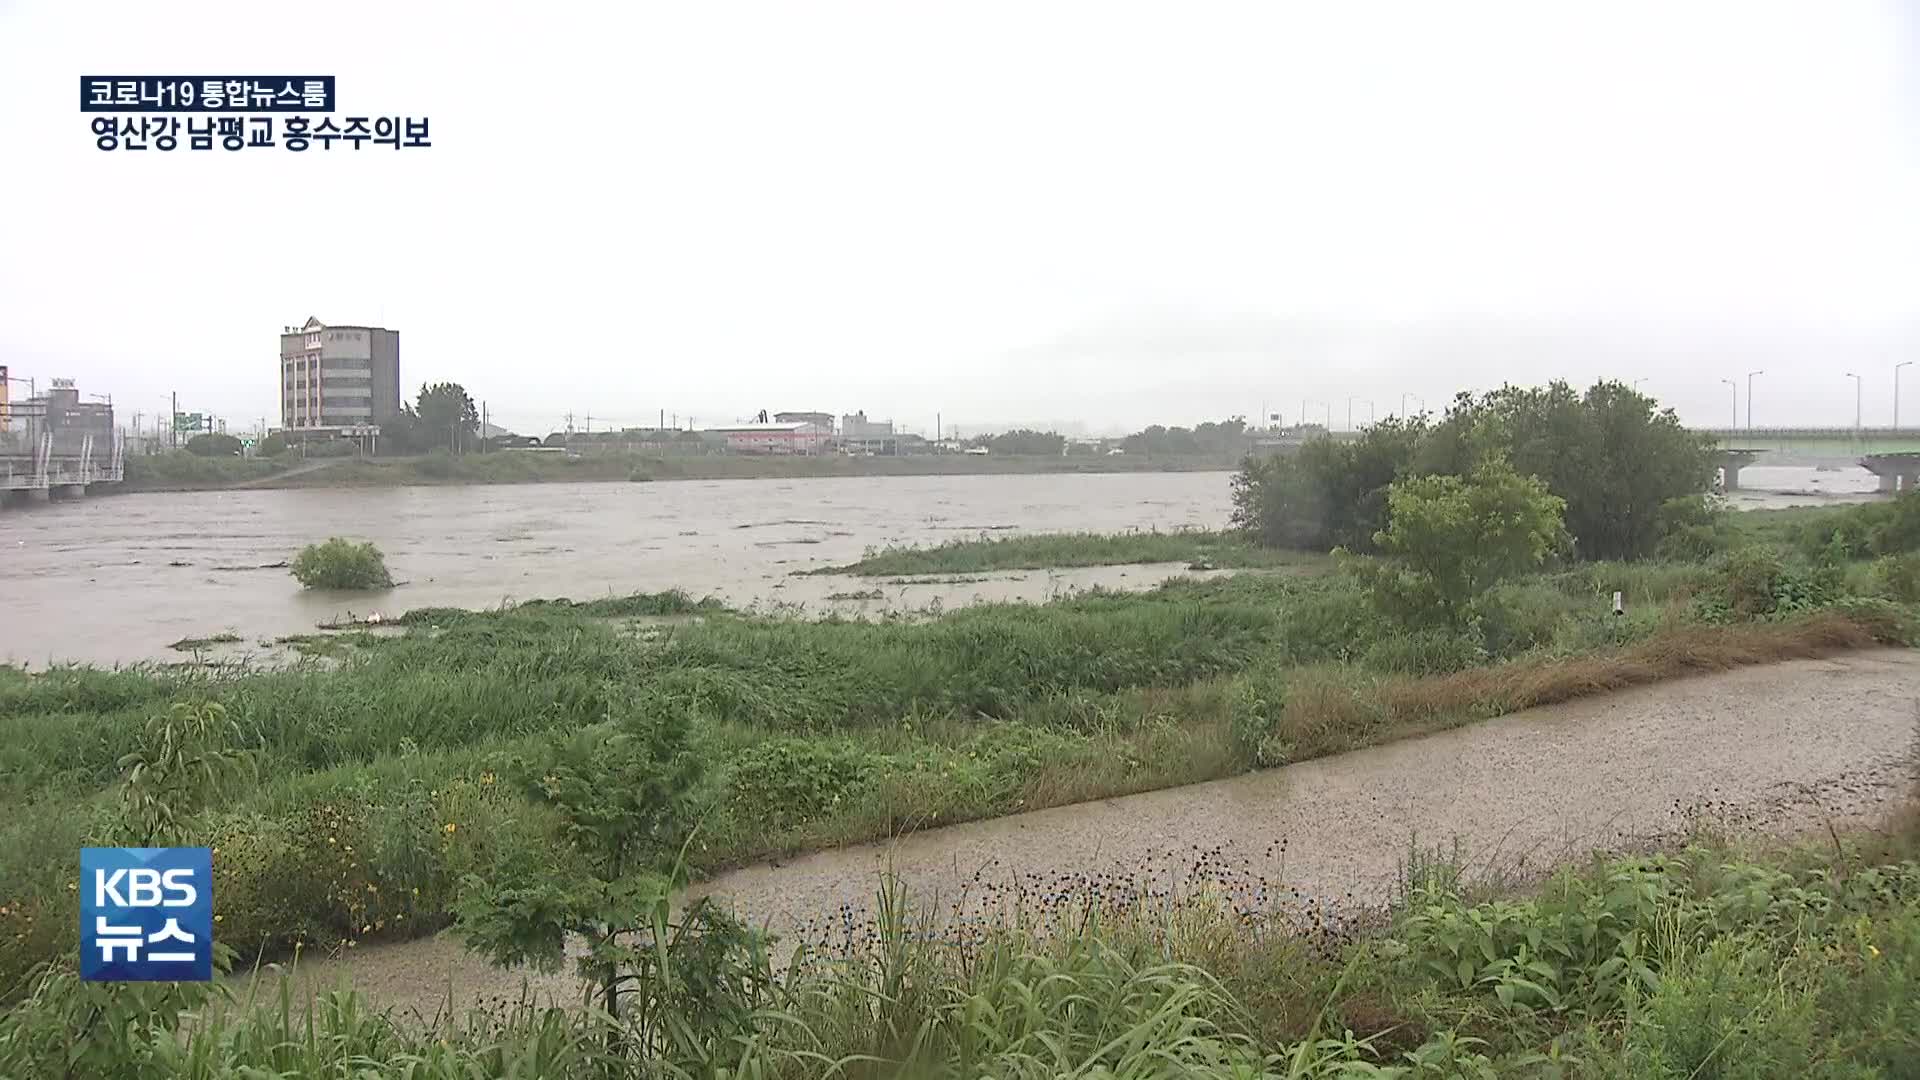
(859, 435)
(857, 426)
(336, 377)
(73, 421)
(774, 438)
(821, 420)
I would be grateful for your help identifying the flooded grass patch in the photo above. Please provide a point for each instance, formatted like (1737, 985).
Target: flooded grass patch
(1201, 549)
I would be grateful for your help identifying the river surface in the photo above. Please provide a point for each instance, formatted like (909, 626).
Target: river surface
(111, 580)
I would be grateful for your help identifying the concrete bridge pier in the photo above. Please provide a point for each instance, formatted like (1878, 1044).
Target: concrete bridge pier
(1730, 462)
(1897, 472)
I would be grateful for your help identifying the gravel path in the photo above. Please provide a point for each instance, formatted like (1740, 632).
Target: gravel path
(1780, 748)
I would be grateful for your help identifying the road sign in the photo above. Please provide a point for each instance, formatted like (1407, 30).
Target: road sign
(188, 421)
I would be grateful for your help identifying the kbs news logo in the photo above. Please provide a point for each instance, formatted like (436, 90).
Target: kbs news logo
(146, 914)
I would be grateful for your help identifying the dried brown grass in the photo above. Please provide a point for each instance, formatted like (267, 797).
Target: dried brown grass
(1328, 713)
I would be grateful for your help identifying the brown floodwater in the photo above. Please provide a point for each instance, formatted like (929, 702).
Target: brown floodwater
(117, 579)
(114, 580)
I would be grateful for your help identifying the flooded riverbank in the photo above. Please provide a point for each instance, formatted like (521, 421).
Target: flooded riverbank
(1749, 751)
(116, 580)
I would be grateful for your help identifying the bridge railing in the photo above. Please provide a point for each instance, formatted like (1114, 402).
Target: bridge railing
(1822, 434)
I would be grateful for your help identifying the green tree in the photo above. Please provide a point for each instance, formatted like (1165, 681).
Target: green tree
(1449, 539)
(623, 793)
(447, 416)
(1025, 441)
(1617, 460)
(1328, 492)
(213, 444)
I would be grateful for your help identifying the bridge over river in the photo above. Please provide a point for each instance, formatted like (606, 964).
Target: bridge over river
(1892, 454)
(49, 465)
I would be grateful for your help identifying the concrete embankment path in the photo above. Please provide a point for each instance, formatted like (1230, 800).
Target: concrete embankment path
(1782, 749)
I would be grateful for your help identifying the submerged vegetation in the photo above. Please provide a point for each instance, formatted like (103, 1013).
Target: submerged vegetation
(1202, 549)
(341, 564)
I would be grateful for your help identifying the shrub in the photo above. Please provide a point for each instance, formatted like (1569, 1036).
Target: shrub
(341, 564)
(786, 783)
(1898, 576)
(1898, 528)
(1519, 616)
(1693, 529)
(213, 444)
(1749, 579)
(1452, 539)
(1254, 707)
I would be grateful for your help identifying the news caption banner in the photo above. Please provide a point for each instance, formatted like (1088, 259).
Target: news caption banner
(145, 112)
(146, 914)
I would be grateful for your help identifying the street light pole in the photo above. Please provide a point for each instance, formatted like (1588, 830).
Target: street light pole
(1750, 376)
(1896, 392)
(1856, 403)
(1735, 387)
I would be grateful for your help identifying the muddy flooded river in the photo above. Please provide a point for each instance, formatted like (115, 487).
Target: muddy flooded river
(117, 579)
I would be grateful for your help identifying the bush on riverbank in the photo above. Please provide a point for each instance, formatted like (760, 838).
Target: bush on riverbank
(1618, 462)
(341, 564)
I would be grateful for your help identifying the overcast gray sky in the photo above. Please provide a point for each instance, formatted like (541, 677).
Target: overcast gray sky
(1105, 213)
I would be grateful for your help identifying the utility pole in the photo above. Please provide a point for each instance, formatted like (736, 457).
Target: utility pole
(1735, 387)
(1896, 393)
(663, 421)
(1750, 376)
(483, 426)
(937, 429)
(173, 423)
(1303, 412)
(1856, 403)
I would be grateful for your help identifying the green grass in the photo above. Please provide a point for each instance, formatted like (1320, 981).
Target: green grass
(179, 469)
(1200, 549)
(817, 733)
(195, 644)
(1712, 960)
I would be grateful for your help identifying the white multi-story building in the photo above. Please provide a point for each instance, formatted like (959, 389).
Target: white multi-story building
(336, 377)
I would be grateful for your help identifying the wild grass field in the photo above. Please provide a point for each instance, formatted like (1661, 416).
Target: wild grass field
(548, 773)
(381, 777)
